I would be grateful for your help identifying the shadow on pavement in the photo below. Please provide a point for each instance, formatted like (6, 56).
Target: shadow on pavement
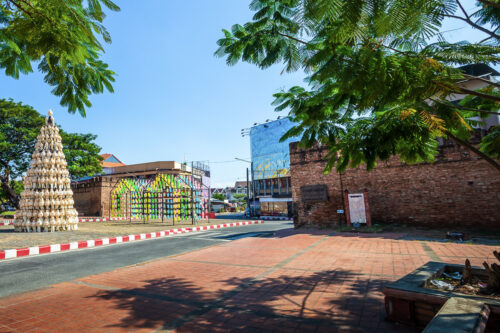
(297, 301)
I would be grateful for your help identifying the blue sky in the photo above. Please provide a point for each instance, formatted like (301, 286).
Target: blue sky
(174, 100)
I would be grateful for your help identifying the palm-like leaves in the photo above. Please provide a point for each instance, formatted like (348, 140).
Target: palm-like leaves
(369, 63)
(63, 36)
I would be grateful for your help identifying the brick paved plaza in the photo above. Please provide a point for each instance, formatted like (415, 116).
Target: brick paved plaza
(295, 282)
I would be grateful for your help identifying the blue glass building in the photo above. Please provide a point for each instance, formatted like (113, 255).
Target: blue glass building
(271, 167)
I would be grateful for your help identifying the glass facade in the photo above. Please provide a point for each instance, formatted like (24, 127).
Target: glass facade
(270, 157)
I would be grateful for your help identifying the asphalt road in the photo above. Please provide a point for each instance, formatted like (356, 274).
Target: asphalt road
(31, 273)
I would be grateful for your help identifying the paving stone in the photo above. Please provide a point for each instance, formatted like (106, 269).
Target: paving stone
(300, 282)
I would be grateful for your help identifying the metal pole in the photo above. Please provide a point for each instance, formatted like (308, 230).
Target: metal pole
(279, 185)
(192, 193)
(248, 194)
(253, 190)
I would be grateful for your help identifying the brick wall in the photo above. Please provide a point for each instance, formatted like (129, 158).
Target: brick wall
(92, 197)
(458, 189)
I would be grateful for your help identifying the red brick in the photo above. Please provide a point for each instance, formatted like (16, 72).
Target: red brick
(459, 189)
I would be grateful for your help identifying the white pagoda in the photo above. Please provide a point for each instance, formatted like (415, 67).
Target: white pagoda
(47, 200)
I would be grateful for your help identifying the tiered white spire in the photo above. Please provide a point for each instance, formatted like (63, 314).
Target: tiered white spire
(47, 200)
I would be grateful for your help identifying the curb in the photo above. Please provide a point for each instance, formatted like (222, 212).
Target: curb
(31, 251)
(11, 222)
(104, 219)
(274, 218)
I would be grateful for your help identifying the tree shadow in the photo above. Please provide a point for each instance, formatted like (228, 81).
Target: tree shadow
(289, 301)
(324, 232)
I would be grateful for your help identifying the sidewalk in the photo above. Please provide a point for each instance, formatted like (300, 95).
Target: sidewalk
(296, 282)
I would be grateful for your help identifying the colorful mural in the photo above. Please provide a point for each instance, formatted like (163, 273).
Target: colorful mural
(175, 197)
(270, 157)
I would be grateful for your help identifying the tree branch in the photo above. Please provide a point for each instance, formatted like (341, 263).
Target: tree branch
(488, 159)
(462, 8)
(21, 8)
(476, 110)
(477, 26)
(489, 37)
(460, 90)
(491, 83)
(463, 108)
(291, 37)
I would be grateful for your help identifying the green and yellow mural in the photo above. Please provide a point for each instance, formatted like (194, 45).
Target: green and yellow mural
(174, 197)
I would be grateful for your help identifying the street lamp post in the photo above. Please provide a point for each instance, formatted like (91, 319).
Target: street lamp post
(250, 209)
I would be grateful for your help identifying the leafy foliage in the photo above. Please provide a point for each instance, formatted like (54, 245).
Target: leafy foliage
(377, 86)
(82, 154)
(219, 196)
(63, 37)
(491, 143)
(19, 126)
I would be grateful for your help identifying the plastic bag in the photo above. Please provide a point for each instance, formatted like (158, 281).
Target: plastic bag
(454, 276)
(442, 285)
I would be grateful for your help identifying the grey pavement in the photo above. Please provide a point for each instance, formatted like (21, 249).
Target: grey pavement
(31, 273)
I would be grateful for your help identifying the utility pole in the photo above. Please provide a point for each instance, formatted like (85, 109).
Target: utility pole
(248, 194)
(253, 184)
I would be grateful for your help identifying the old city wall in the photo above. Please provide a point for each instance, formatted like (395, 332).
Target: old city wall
(92, 197)
(458, 189)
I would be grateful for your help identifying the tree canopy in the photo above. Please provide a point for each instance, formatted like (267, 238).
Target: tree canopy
(19, 126)
(382, 78)
(64, 37)
(219, 196)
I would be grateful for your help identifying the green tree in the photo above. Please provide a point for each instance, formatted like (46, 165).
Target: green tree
(19, 126)
(381, 76)
(82, 154)
(63, 38)
(219, 196)
(240, 196)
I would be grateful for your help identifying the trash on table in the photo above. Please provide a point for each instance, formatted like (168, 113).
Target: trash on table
(442, 285)
(454, 276)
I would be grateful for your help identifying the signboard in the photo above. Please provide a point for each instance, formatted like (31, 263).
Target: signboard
(314, 193)
(357, 210)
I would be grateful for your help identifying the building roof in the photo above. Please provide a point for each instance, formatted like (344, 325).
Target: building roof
(241, 183)
(110, 161)
(479, 70)
(111, 164)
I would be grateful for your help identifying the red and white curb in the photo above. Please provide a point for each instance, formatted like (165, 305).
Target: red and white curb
(275, 218)
(104, 219)
(11, 222)
(31, 251)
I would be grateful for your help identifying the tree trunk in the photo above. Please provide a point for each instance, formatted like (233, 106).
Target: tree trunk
(11, 194)
(488, 159)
